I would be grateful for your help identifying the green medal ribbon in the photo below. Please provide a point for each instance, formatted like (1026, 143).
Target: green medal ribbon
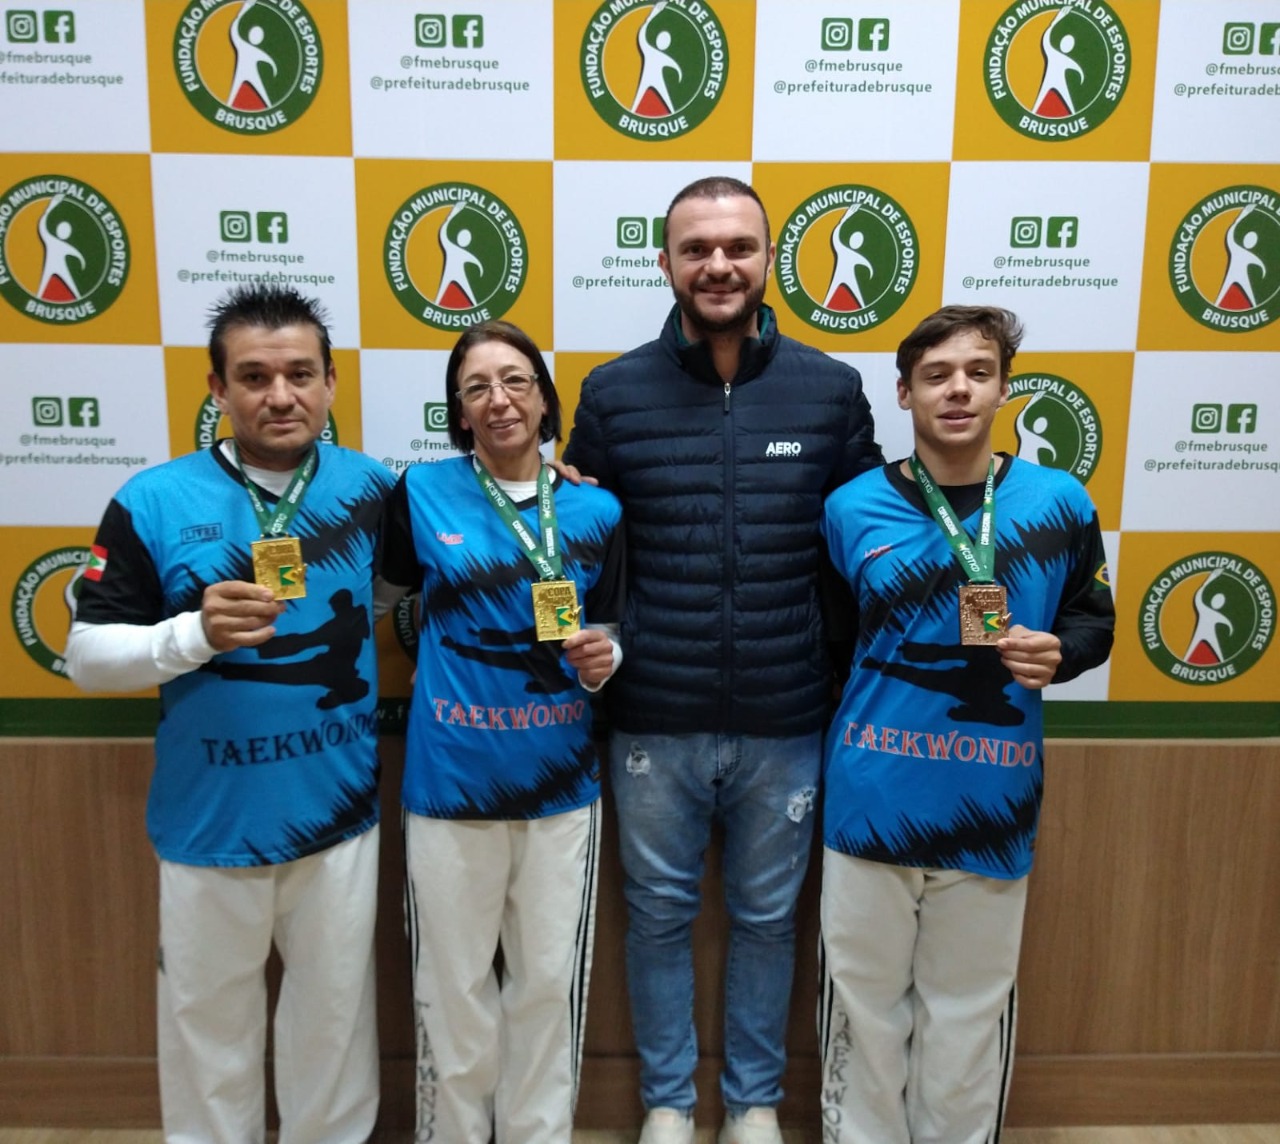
(542, 552)
(277, 523)
(978, 560)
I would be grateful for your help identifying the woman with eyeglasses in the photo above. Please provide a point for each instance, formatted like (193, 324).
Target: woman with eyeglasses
(521, 579)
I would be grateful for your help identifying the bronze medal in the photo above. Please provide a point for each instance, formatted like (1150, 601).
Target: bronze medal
(984, 613)
(277, 564)
(555, 609)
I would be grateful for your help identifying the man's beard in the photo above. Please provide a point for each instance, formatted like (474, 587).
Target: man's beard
(740, 319)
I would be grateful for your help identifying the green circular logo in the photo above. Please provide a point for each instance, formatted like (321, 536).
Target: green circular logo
(1224, 261)
(1056, 71)
(64, 253)
(248, 66)
(1208, 618)
(683, 65)
(209, 417)
(455, 255)
(25, 601)
(1058, 426)
(847, 258)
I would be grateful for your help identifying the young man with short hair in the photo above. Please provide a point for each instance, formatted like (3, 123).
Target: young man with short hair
(978, 579)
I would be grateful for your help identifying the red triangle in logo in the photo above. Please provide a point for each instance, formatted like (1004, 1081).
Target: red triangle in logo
(843, 300)
(57, 291)
(1053, 107)
(1235, 299)
(246, 99)
(1202, 654)
(651, 106)
(455, 298)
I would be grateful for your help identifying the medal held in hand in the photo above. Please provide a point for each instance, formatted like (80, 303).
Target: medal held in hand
(555, 609)
(984, 616)
(277, 564)
(984, 610)
(556, 614)
(277, 557)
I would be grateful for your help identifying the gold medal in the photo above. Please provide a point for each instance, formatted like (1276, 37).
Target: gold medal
(984, 614)
(555, 609)
(277, 564)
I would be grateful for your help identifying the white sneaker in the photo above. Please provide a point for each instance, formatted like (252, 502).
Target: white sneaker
(755, 1126)
(667, 1126)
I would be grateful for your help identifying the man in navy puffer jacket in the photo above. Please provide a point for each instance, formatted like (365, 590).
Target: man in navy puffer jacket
(721, 439)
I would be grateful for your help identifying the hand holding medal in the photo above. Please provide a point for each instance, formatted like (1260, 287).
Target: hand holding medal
(236, 614)
(590, 654)
(1031, 657)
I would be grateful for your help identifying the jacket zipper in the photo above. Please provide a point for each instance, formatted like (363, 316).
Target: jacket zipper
(726, 587)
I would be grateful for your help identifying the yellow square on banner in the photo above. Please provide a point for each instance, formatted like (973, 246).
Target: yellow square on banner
(1212, 275)
(1055, 81)
(40, 576)
(654, 79)
(195, 422)
(444, 246)
(859, 250)
(264, 78)
(1196, 617)
(77, 250)
(1071, 412)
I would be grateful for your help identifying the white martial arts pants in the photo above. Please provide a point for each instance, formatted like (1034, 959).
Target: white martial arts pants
(501, 1057)
(918, 1006)
(216, 929)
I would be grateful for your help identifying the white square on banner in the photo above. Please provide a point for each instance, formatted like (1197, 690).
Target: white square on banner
(1204, 444)
(78, 422)
(225, 220)
(1060, 244)
(74, 77)
(844, 82)
(452, 79)
(1217, 74)
(402, 407)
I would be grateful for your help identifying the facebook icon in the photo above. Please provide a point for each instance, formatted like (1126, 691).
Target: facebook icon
(1242, 418)
(873, 35)
(82, 411)
(60, 27)
(273, 226)
(468, 31)
(1061, 230)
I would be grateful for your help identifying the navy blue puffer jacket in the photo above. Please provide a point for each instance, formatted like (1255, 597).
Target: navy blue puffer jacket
(722, 487)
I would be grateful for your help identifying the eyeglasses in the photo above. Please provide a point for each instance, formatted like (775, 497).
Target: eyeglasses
(514, 385)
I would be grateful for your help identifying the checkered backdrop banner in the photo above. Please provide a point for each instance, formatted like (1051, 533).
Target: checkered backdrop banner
(1110, 171)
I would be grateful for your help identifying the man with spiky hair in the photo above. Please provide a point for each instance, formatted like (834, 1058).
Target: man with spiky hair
(240, 579)
(720, 438)
(978, 579)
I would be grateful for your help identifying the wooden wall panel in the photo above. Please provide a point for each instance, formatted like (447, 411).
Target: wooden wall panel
(1150, 987)
(1153, 919)
(77, 948)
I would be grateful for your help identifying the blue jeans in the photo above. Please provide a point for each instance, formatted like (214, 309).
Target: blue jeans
(669, 789)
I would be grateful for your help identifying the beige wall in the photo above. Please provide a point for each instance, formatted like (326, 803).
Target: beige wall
(1150, 986)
